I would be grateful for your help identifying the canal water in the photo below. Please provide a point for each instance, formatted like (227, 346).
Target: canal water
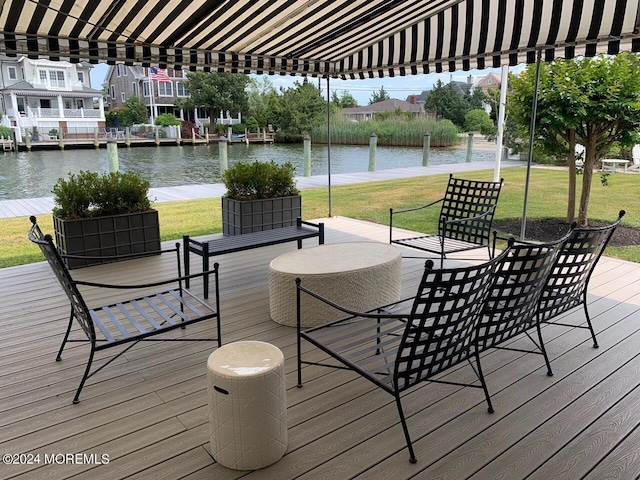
(33, 174)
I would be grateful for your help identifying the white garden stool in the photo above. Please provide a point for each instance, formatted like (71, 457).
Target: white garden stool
(247, 405)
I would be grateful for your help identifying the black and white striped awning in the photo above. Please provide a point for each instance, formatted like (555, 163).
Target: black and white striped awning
(337, 38)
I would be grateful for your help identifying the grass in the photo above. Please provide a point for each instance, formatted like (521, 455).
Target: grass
(371, 201)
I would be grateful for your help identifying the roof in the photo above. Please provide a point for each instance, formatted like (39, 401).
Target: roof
(384, 106)
(338, 38)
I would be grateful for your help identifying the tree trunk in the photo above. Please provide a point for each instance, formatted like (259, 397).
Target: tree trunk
(571, 159)
(587, 176)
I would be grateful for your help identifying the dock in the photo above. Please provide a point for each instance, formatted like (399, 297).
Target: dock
(74, 141)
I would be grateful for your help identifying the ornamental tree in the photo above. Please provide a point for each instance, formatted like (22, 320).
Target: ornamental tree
(590, 101)
(216, 92)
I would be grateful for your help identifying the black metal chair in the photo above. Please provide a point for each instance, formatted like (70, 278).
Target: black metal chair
(569, 280)
(129, 321)
(465, 220)
(512, 306)
(396, 351)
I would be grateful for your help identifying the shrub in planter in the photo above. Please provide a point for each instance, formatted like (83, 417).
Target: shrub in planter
(104, 215)
(260, 196)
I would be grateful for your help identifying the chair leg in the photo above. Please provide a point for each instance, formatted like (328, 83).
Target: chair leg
(66, 336)
(543, 350)
(482, 382)
(586, 314)
(76, 399)
(405, 429)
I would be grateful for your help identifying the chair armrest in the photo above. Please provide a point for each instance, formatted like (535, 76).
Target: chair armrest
(351, 314)
(392, 212)
(213, 271)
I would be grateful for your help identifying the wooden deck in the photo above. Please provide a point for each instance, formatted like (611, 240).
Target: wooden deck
(148, 411)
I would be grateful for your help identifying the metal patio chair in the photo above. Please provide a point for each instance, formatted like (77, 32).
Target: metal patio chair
(512, 306)
(568, 282)
(396, 351)
(132, 320)
(466, 216)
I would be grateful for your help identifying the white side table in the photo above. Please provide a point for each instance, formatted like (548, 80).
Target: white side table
(247, 405)
(355, 275)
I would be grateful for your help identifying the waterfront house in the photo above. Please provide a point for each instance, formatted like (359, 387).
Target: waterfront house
(44, 97)
(368, 112)
(159, 96)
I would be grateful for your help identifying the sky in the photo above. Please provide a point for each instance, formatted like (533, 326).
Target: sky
(362, 90)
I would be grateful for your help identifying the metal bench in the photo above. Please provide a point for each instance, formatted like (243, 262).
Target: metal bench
(247, 241)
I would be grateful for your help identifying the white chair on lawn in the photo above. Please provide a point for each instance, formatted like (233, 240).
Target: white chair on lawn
(636, 159)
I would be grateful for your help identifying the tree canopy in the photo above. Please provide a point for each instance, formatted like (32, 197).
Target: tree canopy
(216, 92)
(379, 96)
(446, 101)
(594, 102)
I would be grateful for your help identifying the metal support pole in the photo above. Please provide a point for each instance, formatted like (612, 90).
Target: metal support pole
(329, 142)
(532, 127)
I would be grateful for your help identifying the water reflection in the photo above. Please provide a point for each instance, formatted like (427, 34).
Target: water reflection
(33, 174)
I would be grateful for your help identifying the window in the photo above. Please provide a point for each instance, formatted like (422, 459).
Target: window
(67, 104)
(181, 90)
(134, 88)
(118, 73)
(113, 92)
(165, 89)
(145, 89)
(52, 78)
(80, 103)
(81, 77)
(123, 97)
(13, 73)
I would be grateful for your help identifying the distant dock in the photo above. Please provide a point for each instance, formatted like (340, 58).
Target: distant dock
(78, 141)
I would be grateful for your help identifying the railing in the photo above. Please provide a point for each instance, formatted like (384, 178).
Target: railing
(68, 113)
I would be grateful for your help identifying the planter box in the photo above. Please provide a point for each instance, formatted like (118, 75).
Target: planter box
(240, 217)
(106, 236)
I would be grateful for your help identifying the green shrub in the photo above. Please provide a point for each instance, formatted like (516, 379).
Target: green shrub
(5, 132)
(479, 121)
(396, 130)
(238, 128)
(167, 120)
(89, 194)
(251, 181)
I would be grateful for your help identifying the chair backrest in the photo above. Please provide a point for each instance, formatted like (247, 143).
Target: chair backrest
(441, 327)
(511, 307)
(465, 199)
(51, 254)
(635, 152)
(578, 256)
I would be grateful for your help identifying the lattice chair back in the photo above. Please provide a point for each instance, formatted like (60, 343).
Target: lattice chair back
(441, 327)
(511, 307)
(465, 199)
(50, 252)
(579, 254)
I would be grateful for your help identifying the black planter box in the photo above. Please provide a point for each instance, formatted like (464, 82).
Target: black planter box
(107, 236)
(240, 217)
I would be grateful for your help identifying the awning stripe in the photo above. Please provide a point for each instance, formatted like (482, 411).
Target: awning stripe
(351, 39)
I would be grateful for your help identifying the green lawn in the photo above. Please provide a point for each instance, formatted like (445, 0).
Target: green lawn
(371, 201)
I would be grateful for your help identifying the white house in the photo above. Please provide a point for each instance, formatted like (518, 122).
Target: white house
(49, 95)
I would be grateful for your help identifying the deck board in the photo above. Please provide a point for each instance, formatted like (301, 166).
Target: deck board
(148, 410)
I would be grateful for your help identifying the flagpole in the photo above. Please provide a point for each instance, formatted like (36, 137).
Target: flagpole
(153, 119)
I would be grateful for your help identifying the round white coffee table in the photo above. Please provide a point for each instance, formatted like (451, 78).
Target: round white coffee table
(359, 276)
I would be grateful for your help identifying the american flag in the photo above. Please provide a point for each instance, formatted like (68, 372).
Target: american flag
(158, 75)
